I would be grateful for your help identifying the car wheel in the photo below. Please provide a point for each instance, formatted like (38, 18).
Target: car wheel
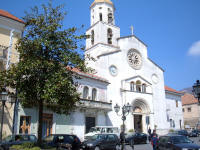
(117, 147)
(97, 148)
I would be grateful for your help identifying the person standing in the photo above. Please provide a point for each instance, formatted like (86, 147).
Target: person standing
(154, 140)
(149, 131)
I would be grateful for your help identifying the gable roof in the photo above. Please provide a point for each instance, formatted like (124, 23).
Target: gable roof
(188, 98)
(168, 89)
(88, 75)
(10, 16)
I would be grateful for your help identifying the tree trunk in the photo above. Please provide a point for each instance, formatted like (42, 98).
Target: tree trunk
(40, 116)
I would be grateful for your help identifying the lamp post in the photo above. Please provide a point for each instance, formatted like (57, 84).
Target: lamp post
(196, 90)
(3, 99)
(125, 111)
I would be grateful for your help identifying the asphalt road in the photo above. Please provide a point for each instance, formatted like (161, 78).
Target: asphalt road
(149, 147)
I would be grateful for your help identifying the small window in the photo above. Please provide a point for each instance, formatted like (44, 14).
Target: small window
(94, 94)
(92, 37)
(189, 109)
(176, 103)
(132, 86)
(100, 17)
(138, 86)
(144, 88)
(109, 34)
(110, 18)
(85, 92)
(25, 123)
(183, 110)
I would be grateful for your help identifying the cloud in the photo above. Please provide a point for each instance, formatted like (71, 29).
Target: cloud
(194, 50)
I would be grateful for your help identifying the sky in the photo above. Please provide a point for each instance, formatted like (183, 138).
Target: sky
(170, 29)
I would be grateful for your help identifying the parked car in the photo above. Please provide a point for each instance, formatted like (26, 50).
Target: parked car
(101, 130)
(17, 139)
(102, 141)
(136, 138)
(182, 132)
(193, 133)
(196, 131)
(176, 142)
(65, 141)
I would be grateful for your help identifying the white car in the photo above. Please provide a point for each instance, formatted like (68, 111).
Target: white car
(102, 129)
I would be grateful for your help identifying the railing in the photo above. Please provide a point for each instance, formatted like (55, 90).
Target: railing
(92, 104)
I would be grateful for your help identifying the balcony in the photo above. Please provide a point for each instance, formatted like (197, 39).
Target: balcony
(98, 105)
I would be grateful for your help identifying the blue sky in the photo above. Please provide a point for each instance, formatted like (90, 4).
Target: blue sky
(170, 28)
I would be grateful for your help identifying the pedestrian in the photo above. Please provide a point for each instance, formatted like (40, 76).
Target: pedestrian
(149, 132)
(122, 137)
(154, 140)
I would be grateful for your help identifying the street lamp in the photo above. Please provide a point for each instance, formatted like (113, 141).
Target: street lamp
(196, 90)
(125, 111)
(3, 99)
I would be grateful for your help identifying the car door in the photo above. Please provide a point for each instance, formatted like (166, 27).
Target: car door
(162, 144)
(112, 141)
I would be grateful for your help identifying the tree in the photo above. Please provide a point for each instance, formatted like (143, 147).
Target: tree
(43, 77)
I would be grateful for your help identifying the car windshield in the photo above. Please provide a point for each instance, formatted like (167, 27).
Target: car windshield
(180, 139)
(8, 138)
(97, 137)
(94, 129)
(49, 138)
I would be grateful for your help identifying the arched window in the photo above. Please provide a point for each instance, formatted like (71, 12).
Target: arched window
(110, 18)
(171, 123)
(109, 34)
(100, 17)
(92, 37)
(132, 86)
(94, 94)
(85, 92)
(138, 86)
(144, 88)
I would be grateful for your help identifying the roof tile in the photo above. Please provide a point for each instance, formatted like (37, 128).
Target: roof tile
(10, 16)
(188, 99)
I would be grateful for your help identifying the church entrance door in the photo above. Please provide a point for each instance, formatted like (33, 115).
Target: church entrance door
(89, 122)
(138, 123)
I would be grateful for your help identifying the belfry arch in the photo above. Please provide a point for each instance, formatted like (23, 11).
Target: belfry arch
(140, 112)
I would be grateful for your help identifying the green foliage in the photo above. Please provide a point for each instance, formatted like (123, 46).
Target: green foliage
(171, 131)
(25, 146)
(131, 130)
(47, 53)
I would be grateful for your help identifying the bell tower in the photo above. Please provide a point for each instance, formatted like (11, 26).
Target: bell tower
(102, 29)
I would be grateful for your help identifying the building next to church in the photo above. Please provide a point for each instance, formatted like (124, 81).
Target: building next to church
(11, 29)
(174, 108)
(191, 111)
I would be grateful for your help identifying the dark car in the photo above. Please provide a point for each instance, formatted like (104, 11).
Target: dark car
(102, 141)
(182, 132)
(193, 133)
(65, 141)
(176, 142)
(17, 139)
(136, 138)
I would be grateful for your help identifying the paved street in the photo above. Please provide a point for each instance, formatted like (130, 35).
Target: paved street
(149, 147)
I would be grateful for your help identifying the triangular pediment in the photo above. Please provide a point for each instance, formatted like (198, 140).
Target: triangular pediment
(138, 77)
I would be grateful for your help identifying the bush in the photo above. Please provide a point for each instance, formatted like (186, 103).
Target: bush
(171, 131)
(131, 130)
(25, 146)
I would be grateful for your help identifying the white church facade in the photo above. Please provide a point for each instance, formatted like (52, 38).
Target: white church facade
(133, 77)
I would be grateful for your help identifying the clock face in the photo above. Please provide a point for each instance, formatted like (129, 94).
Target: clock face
(134, 59)
(113, 70)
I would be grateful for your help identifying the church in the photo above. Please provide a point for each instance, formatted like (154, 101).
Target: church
(134, 78)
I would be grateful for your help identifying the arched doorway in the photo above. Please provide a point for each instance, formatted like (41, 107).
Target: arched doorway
(140, 113)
